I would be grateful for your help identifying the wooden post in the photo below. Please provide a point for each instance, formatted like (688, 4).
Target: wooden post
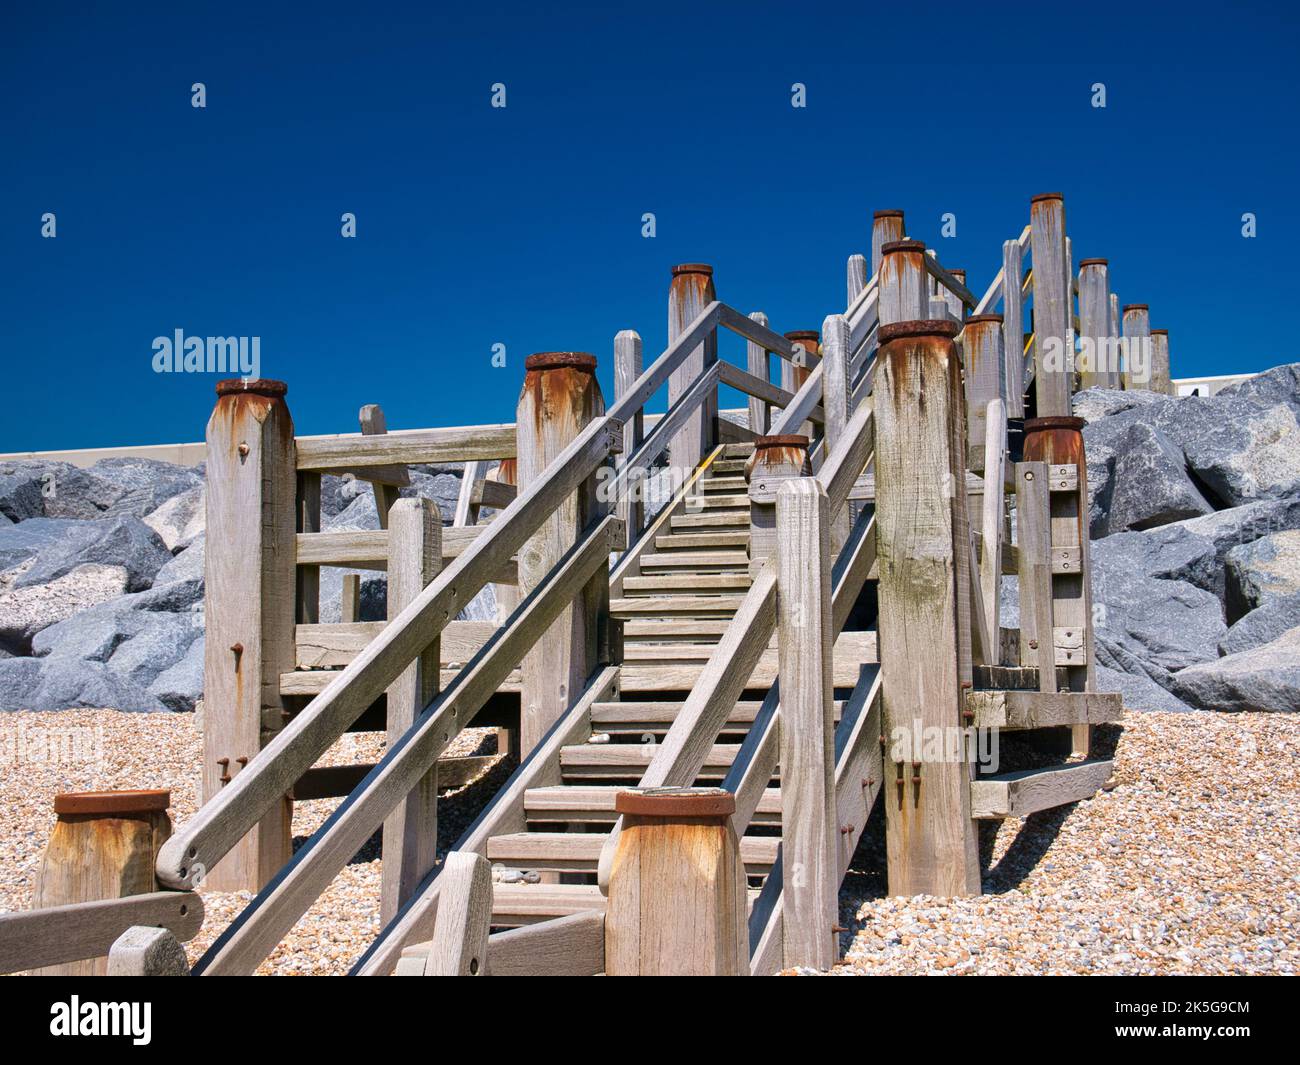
(373, 423)
(1161, 380)
(985, 379)
(923, 548)
(466, 511)
(350, 598)
(756, 362)
(691, 291)
(809, 831)
(1094, 325)
(307, 590)
(1137, 342)
(904, 283)
(627, 368)
(411, 830)
(460, 931)
(677, 902)
(837, 395)
(886, 227)
(560, 397)
(144, 951)
(775, 459)
(250, 596)
(1114, 320)
(1052, 356)
(507, 596)
(1013, 330)
(1034, 552)
(857, 277)
(1059, 442)
(956, 309)
(995, 455)
(103, 847)
(792, 376)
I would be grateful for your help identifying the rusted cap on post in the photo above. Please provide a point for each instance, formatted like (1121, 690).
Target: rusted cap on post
(891, 213)
(762, 443)
(798, 336)
(1046, 425)
(975, 319)
(1162, 332)
(1134, 307)
(561, 360)
(1047, 196)
(676, 802)
(902, 245)
(1094, 262)
(260, 386)
(924, 327)
(108, 803)
(693, 268)
(958, 273)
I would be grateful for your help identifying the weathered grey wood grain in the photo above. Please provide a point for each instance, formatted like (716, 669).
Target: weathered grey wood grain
(1026, 792)
(627, 368)
(1051, 307)
(1034, 553)
(460, 934)
(1013, 325)
(459, 444)
(566, 946)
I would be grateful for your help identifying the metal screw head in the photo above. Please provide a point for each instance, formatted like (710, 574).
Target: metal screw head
(243, 451)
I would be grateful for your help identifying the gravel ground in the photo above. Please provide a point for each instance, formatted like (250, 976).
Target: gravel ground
(105, 749)
(1188, 864)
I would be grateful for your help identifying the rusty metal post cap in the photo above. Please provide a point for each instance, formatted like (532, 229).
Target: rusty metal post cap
(1094, 262)
(107, 803)
(1047, 196)
(676, 802)
(902, 245)
(1162, 332)
(1045, 425)
(561, 360)
(261, 386)
(693, 268)
(925, 327)
(958, 272)
(975, 319)
(892, 212)
(1134, 307)
(762, 443)
(803, 334)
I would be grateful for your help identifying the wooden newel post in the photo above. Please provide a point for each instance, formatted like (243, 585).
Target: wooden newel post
(1137, 346)
(924, 559)
(1161, 374)
(1013, 330)
(627, 368)
(691, 291)
(103, 847)
(559, 399)
(775, 459)
(1053, 357)
(1058, 442)
(985, 379)
(677, 903)
(886, 227)
(756, 361)
(904, 283)
(855, 277)
(1102, 367)
(250, 595)
(411, 830)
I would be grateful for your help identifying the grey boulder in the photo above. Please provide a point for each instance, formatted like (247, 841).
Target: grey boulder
(26, 611)
(1147, 483)
(1140, 691)
(122, 541)
(180, 519)
(1261, 678)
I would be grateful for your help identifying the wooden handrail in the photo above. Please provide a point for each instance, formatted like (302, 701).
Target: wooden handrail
(458, 444)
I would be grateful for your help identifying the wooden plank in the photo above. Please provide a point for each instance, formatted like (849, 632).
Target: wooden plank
(1062, 477)
(460, 935)
(359, 547)
(991, 520)
(567, 946)
(856, 278)
(334, 781)
(385, 480)
(472, 473)
(690, 293)
(349, 607)
(756, 360)
(947, 280)
(494, 494)
(331, 646)
(503, 813)
(1026, 792)
(404, 447)
(1032, 709)
(57, 935)
(1034, 548)
(307, 591)
(746, 382)
(810, 886)
(315, 682)
(274, 911)
(411, 831)
(514, 905)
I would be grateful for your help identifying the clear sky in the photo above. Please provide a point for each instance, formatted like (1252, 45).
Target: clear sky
(522, 225)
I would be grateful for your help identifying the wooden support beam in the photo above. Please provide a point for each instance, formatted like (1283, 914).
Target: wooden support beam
(1026, 792)
(756, 360)
(465, 510)
(1013, 324)
(856, 278)
(991, 520)
(373, 424)
(627, 368)
(307, 591)
(1100, 364)
(249, 608)
(923, 547)
(411, 830)
(690, 293)
(460, 934)
(677, 903)
(560, 398)
(349, 601)
(1052, 354)
(810, 890)
(1033, 548)
(1030, 709)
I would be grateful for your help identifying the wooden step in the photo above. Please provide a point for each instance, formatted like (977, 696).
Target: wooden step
(732, 520)
(641, 651)
(662, 606)
(718, 502)
(594, 804)
(735, 484)
(675, 630)
(520, 904)
(706, 541)
(687, 583)
(721, 466)
(696, 560)
(656, 717)
(1027, 791)
(588, 761)
(734, 451)
(579, 852)
(1032, 709)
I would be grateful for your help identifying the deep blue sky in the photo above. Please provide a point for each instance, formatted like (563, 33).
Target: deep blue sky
(522, 226)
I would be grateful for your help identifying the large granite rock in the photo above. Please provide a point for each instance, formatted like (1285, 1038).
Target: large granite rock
(122, 541)
(25, 539)
(180, 519)
(1262, 625)
(1145, 482)
(1263, 570)
(26, 611)
(1261, 678)
(1140, 692)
